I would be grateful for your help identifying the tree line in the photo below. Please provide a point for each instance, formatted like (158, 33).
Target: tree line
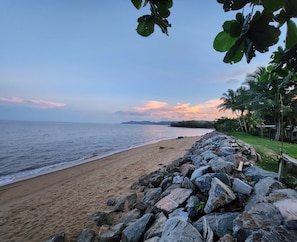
(264, 98)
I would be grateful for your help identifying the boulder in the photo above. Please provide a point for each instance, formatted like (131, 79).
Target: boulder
(187, 184)
(179, 212)
(256, 173)
(172, 201)
(135, 231)
(126, 202)
(113, 234)
(150, 198)
(219, 195)
(131, 216)
(203, 183)
(157, 227)
(199, 172)
(102, 217)
(87, 235)
(241, 187)
(220, 223)
(177, 229)
(191, 207)
(221, 166)
(260, 216)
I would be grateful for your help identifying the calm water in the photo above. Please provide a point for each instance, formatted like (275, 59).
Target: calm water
(31, 148)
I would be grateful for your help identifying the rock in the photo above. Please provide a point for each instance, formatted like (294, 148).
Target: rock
(135, 231)
(281, 194)
(208, 155)
(166, 183)
(207, 231)
(179, 212)
(87, 235)
(125, 203)
(221, 166)
(150, 197)
(288, 210)
(102, 217)
(59, 237)
(220, 223)
(113, 234)
(111, 202)
(260, 216)
(227, 238)
(176, 230)
(154, 239)
(241, 187)
(173, 200)
(187, 169)
(131, 216)
(219, 195)
(192, 202)
(256, 173)
(178, 179)
(203, 183)
(199, 172)
(157, 227)
(223, 177)
(262, 189)
(272, 234)
(236, 159)
(225, 151)
(187, 184)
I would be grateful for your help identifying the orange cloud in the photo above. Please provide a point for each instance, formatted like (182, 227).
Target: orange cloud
(31, 103)
(151, 105)
(183, 111)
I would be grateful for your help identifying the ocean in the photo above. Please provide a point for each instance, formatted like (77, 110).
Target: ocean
(28, 148)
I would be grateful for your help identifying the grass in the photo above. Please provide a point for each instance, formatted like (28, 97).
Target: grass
(268, 150)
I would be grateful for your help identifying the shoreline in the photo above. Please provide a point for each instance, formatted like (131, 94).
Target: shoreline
(36, 208)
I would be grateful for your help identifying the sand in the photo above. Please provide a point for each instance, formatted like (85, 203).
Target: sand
(37, 208)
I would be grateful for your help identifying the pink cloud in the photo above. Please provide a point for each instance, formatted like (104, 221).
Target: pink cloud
(183, 111)
(150, 105)
(31, 102)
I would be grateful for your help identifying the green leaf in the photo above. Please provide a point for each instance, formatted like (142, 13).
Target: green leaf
(137, 3)
(291, 38)
(233, 4)
(223, 42)
(235, 53)
(163, 10)
(233, 27)
(273, 5)
(145, 26)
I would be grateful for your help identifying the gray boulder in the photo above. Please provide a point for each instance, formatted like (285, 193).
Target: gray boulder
(157, 227)
(113, 234)
(241, 187)
(59, 237)
(260, 216)
(262, 189)
(154, 239)
(199, 172)
(191, 207)
(272, 234)
(87, 235)
(135, 231)
(126, 202)
(187, 184)
(203, 183)
(179, 212)
(256, 173)
(221, 166)
(150, 197)
(219, 195)
(177, 230)
(131, 216)
(220, 223)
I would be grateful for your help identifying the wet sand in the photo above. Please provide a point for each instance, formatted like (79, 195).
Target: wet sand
(35, 209)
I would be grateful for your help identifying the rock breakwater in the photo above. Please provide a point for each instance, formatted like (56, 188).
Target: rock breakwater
(214, 193)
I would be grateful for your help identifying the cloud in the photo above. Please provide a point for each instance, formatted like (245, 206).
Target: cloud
(150, 105)
(32, 103)
(181, 111)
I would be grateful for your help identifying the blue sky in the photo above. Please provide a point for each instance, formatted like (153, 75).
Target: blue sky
(82, 61)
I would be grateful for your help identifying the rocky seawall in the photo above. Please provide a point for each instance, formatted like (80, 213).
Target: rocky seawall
(214, 193)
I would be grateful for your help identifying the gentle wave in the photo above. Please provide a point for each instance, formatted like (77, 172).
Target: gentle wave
(28, 149)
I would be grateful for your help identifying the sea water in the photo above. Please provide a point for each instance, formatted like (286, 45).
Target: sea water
(30, 148)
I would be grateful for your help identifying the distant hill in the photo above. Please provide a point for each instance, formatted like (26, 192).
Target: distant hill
(148, 122)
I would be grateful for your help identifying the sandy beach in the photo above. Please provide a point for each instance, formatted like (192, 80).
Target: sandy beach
(35, 209)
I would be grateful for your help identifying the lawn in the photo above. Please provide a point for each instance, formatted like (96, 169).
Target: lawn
(268, 150)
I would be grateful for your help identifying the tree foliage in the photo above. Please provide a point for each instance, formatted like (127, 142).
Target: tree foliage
(243, 36)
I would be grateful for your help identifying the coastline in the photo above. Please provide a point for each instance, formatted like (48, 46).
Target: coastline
(36, 208)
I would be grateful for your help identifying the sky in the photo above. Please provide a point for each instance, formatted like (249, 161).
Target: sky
(83, 61)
